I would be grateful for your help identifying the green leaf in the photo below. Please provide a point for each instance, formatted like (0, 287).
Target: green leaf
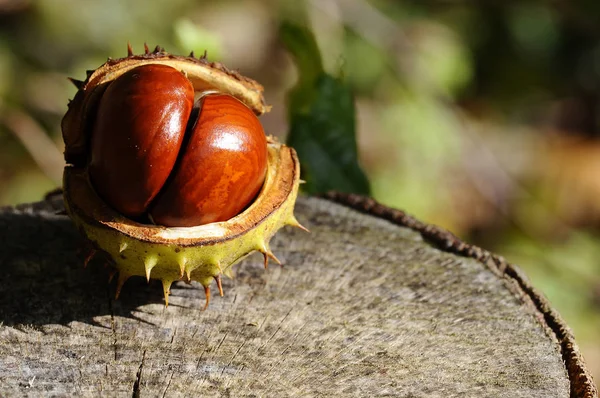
(322, 121)
(303, 46)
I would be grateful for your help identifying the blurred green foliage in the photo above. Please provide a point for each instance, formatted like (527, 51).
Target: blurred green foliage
(322, 121)
(479, 116)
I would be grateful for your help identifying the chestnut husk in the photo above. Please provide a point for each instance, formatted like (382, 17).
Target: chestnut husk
(201, 253)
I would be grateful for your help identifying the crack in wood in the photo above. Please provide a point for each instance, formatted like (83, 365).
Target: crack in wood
(260, 349)
(173, 336)
(168, 384)
(204, 351)
(212, 353)
(233, 357)
(221, 342)
(282, 354)
(138, 379)
(112, 323)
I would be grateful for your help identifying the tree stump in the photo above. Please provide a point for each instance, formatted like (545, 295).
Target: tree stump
(371, 303)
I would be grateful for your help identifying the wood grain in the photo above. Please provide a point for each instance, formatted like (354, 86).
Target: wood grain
(361, 307)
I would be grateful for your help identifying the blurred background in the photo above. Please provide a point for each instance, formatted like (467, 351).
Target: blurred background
(482, 118)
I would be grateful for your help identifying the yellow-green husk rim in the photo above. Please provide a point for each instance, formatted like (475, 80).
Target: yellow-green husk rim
(199, 253)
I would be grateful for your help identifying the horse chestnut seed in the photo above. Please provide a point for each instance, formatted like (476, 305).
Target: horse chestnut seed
(154, 153)
(221, 169)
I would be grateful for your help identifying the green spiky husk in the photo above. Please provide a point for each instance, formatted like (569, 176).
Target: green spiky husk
(196, 253)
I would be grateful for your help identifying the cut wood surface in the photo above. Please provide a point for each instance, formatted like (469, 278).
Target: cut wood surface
(370, 303)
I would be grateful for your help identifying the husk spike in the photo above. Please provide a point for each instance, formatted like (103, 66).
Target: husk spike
(89, 257)
(219, 284)
(272, 256)
(77, 83)
(228, 272)
(267, 253)
(182, 263)
(292, 221)
(112, 274)
(166, 290)
(207, 293)
(149, 263)
(120, 282)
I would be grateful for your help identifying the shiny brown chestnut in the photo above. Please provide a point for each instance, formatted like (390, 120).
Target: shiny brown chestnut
(154, 153)
(221, 169)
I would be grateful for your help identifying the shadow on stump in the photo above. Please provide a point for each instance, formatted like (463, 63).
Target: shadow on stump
(43, 280)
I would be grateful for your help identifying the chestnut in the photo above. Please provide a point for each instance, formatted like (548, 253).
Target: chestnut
(221, 169)
(169, 172)
(137, 134)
